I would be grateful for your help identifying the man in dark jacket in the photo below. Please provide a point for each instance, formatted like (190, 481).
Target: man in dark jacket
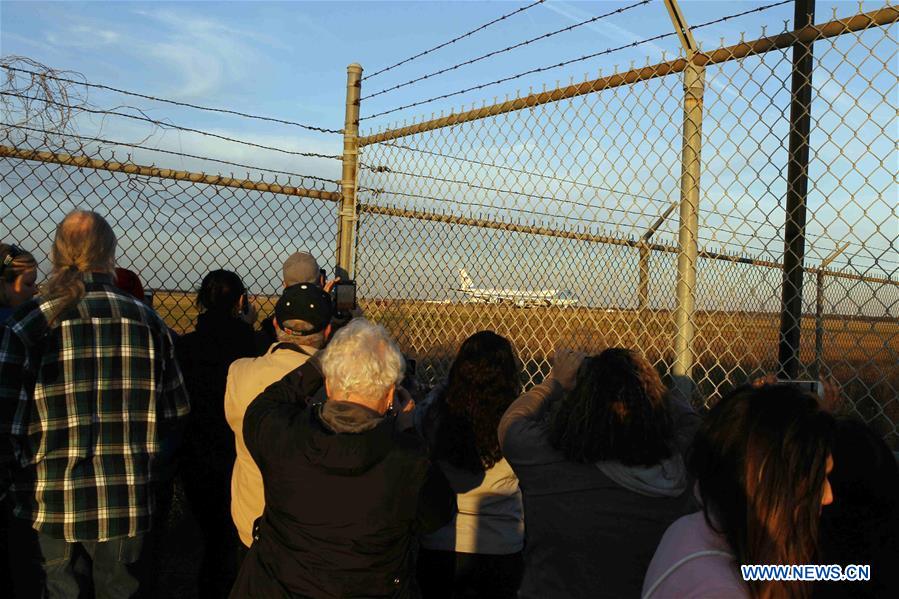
(347, 486)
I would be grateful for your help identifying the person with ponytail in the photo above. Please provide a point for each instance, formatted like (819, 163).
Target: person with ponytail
(761, 461)
(18, 278)
(598, 449)
(89, 385)
(478, 554)
(223, 334)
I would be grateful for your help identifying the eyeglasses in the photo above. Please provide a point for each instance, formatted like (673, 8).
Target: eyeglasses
(13, 253)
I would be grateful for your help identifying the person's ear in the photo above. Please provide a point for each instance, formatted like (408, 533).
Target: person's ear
(328, 330)
(388, 399)
(277, 326)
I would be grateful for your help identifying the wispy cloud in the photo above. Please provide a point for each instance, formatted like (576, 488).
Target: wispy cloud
(29, 41)
(82, 36)
(206, 56)
(203, 56)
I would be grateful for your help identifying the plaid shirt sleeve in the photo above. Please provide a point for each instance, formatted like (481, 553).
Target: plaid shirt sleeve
(173, 399)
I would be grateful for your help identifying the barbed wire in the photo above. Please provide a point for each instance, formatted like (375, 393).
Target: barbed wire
(710, 234)
(491, 207)
(570, 61)
(509, 48)
(708, 211)
(166, 125)
(173, 102)
(524, 194)
(517, 76)
(511, 169)
(631, 236)
(455, 39)
(100, 140)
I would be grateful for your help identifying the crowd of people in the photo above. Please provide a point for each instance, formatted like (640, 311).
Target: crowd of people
(315, 467)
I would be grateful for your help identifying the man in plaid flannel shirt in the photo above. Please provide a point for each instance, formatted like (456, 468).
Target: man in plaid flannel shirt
(89, 388)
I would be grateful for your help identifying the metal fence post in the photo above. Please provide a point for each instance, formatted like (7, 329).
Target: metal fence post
(688, 236)
(797, 192)
(643, 281)
(346, 222)
(819, 308)
(643, 267)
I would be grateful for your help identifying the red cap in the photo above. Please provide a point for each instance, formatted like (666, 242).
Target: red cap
(129, 282)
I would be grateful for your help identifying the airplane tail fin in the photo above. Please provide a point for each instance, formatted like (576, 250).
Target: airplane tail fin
(464, 280)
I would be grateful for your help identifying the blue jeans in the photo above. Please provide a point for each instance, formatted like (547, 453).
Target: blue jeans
(58, 569)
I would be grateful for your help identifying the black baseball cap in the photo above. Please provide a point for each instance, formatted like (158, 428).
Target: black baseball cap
(306, 302)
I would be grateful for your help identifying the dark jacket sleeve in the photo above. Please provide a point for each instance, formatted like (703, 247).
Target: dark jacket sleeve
(13, 400)
(246, 346)
(436, 502)
(267, 417)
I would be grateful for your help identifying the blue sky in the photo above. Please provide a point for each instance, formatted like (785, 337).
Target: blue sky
(288, 60)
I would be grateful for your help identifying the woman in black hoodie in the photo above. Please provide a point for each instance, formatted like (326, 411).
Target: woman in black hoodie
(224, 333)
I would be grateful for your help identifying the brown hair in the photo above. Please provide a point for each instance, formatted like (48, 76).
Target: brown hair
(483, 382)
(618, 410)
(760, 460)
(14, 262)
(84, 243)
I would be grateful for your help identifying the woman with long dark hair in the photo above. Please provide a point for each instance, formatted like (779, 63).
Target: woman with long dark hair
(478, 554)
(598, 449)
(223, 334)
(761, 461)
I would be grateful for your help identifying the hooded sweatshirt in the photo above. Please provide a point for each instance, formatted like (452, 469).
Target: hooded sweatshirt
(346, 489)
(590, 529)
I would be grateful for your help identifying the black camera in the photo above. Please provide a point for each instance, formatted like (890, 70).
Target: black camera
(343, 295)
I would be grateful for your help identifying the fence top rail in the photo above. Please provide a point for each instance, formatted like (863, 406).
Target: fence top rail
(483, 223)
(164, 173)
(876, 18)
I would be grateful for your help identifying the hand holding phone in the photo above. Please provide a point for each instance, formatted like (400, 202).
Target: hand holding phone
(344, 297)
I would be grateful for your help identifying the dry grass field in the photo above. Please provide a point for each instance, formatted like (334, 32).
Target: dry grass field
(731, 347)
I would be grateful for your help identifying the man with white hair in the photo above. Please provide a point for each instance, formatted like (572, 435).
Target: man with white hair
(346, 487)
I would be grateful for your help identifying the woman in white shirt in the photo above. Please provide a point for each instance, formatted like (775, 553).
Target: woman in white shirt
(478, 554)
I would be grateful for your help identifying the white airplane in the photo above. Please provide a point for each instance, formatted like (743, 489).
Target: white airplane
(520, 297)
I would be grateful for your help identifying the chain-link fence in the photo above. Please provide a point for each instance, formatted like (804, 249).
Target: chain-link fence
(553, 218)
(173, 227)
(561, 217)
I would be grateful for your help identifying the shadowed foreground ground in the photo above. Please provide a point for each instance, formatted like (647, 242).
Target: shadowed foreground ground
(179, 556)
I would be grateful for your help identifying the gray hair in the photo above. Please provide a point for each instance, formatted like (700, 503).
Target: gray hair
(84, 243)
(362, 360)
(295, 333)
